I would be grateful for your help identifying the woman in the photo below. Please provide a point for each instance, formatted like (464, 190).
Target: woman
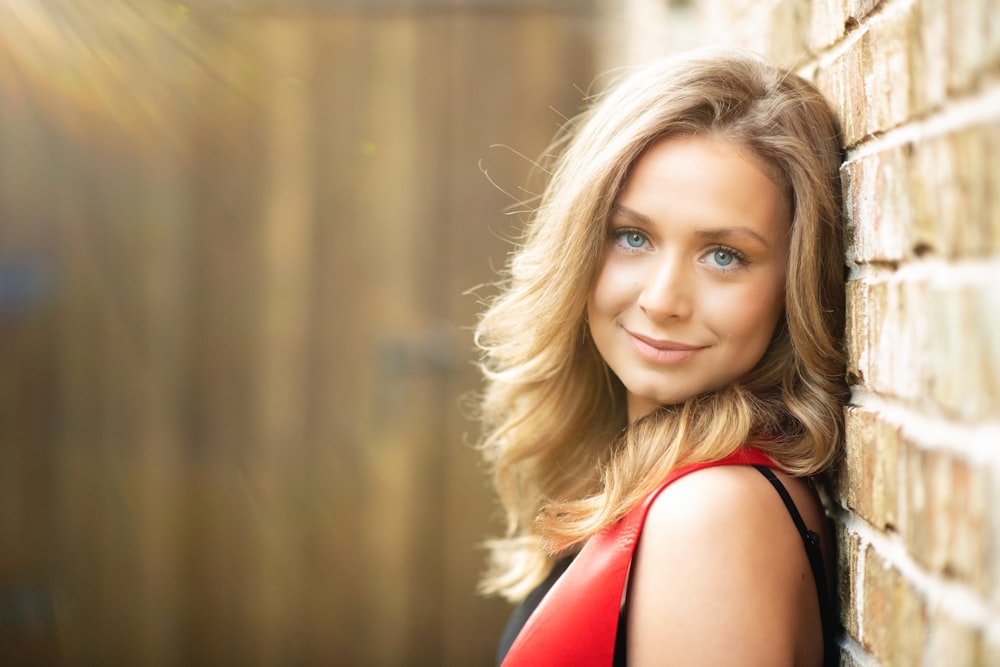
(664, 375)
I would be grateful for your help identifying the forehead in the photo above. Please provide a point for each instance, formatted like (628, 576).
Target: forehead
(756, 154)
(704, 179)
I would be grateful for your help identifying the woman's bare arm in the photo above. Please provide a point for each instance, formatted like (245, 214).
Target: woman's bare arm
(721, 578)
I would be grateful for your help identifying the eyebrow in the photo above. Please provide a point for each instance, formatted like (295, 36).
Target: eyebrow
(714, 233)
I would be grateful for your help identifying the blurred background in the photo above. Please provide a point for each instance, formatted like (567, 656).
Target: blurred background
(237, 239)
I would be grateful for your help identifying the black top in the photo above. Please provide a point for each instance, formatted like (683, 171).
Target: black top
(810, 540)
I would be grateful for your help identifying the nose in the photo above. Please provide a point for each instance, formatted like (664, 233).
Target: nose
(667, 291)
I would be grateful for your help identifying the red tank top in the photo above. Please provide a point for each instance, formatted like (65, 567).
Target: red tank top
(575, 623)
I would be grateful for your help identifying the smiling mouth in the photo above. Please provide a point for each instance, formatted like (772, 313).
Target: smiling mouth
(662, 351)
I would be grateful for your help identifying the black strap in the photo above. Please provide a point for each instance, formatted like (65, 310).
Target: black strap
(831, 654)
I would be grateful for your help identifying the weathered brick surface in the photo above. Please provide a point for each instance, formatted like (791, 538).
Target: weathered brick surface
(847, 660)
(934, 197)
(891, 77)
(895, 614)
(952, 642)
(779, 28)
(947, 506)
(856, 334)
(889, 349)
(975, 41)
(963, 349)
(843, 82)
(868, 481)
(875, 81)
(955, 201)
(930, 341)
(878, 204)
(847, 578)
(930, 55)
(858, 10)
(828, 23)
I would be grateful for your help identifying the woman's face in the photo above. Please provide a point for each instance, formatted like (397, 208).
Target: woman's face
(692, 282)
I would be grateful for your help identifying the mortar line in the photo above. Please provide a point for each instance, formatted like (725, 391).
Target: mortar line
(939, 271)
(955, 598)
(825, 56)
(859, 654)
(978, 108)
(933, 433)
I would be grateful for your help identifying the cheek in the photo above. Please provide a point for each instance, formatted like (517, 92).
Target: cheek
(595, 301)
(751, 314)
(610, 291)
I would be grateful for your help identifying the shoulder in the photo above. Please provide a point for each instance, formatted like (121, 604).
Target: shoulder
(723, 496)
(718, 577)
(717, 510)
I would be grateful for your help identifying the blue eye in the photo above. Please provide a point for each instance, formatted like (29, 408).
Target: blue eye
(629, 239)
(723, 257)
(634, 239)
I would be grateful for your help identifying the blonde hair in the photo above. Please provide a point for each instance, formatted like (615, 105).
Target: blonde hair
(565, 460)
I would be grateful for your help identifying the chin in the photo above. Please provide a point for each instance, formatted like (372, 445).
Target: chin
(647, 404)
(653, 400)
(675, 399)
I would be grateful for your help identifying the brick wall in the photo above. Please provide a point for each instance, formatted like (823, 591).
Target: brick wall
(917, 503)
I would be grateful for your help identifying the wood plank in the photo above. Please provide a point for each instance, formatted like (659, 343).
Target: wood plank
(257, 348)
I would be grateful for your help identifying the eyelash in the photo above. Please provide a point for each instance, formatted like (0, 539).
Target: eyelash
(618, 237)
(742, 261)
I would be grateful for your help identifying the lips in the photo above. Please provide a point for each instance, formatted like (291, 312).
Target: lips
(661, 351)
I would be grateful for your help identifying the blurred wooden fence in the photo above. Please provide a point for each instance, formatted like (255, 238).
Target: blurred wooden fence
(233, 334)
